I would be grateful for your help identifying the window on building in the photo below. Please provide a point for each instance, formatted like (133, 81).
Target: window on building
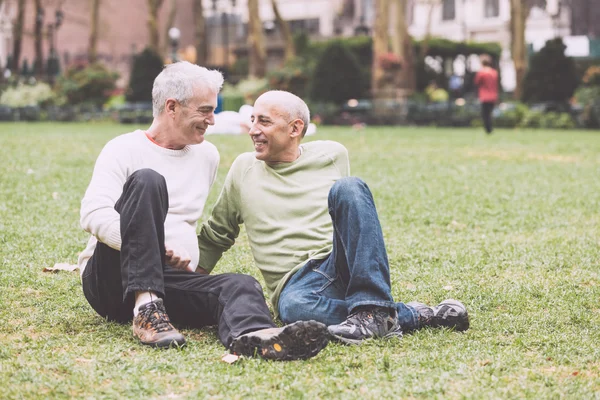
(491, 8)
(448, 10)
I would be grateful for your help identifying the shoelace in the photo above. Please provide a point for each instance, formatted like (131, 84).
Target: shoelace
(360, 318)
(158, 318)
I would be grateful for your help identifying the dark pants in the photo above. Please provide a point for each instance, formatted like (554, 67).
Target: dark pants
(486, 114)
(233, 302)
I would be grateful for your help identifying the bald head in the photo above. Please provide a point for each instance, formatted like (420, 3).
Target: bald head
(288, 105)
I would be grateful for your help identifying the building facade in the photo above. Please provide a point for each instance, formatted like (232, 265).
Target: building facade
(123, 29)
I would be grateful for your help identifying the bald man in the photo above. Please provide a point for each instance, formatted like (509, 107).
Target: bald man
(313, 231)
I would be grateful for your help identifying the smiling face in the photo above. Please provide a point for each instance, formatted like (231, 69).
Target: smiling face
(275, 136)
(195, 116)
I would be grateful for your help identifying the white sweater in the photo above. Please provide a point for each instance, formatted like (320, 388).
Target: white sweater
(189, 173)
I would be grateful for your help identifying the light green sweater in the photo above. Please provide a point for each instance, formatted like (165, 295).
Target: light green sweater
(284, 209)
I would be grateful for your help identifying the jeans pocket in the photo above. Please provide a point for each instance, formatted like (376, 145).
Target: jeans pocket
(328, 278)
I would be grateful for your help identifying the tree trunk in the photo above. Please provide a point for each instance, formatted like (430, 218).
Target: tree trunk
(425, 42)
(200, 34)
(519, 11)
(256, 42)
(38, 65)
(403, 48)
(380, 43)
(93, 42)
(170, 23)
(284, 27)
(153, 35)
(18, 36)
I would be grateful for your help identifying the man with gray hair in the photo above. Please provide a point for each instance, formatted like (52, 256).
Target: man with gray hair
(147, 192)
(314, 231)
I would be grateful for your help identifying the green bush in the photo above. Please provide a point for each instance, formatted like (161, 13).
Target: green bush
(337, 76)
(90, 84)
(293, 77)
(548, 120)
(531, 119)
(512, 117)
(589, 99)
(552, 75)
(146, 67)
(240, 67)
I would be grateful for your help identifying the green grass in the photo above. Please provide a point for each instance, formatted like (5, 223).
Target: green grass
(509, 224)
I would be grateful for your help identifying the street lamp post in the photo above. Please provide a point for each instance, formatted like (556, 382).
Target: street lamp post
(225, 18)
(53, 67)
(174, 35)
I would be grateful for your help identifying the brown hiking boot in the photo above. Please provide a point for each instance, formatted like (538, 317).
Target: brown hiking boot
(297, 341)
(153, 327)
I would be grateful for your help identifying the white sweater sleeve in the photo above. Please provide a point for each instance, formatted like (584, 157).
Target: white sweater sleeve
(98, 215)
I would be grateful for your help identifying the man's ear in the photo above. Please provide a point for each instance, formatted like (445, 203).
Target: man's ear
(297, 128)
(170, 106)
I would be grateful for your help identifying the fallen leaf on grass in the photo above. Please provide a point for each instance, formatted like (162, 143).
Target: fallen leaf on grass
(61, 267)
(230, 358)
(448, 287)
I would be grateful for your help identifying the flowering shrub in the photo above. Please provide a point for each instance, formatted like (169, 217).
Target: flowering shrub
(91, 84)
(592, 76)
(390, 61)
(27, 95)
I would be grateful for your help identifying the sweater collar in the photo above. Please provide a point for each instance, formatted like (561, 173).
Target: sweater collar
(158, 148)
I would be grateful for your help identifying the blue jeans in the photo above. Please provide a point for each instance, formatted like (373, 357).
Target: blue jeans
(356, 273)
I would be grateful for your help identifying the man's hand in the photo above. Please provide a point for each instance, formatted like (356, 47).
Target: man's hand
(177, 257)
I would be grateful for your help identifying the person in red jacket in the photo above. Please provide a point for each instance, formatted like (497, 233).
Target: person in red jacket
(487, 83)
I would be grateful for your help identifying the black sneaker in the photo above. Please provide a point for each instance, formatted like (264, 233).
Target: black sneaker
(298, 341)
(153, 327)
(365, 323)
(448, 314)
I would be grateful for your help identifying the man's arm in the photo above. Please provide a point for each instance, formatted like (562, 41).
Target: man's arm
(220, 231)
(98, 215)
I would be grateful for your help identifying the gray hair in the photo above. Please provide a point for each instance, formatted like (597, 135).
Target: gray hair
(290, 104)
(178, 81)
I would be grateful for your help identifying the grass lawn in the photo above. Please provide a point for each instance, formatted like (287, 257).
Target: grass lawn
(508, 224)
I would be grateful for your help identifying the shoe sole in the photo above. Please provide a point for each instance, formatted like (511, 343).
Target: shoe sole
(165, 344)
(457, 323)
(298, 341)
(353, 342)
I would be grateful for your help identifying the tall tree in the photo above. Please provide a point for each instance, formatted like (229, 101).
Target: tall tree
(519, 12)
(403, 48)
(18, 35)
(284, 28)
(380, 43)
(93, 41)
(38, 65)
(153, 35)
(256, 42)
(431, 6)
(170, 23)
(200, 34)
